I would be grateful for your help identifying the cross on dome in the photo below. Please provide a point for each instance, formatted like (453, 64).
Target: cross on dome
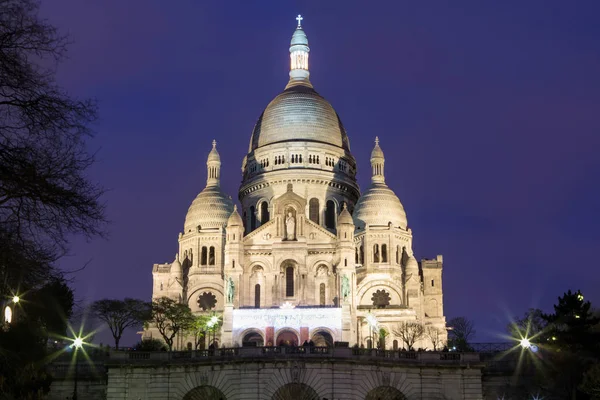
(299, 19)
(377, 140)
(214, 143)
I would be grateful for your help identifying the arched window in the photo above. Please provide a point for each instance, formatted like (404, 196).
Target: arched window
(362, 254)
(397, 254)
(257, 296)
(313, 210)
(289, 282)
(264, 212)
(356, 255)
(211, 256)
(252, 218)
(330, 214)
(395, 344)
(384, 256)
(232, 263)
(376, 253)
(203, 256)
(345, 262)
(322, 294)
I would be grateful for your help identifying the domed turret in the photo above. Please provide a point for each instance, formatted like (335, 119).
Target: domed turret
(300, 139)
(235, 219)
(345, 218)
(412, 264)
(299, 113)
(379, 205)
(299, 55)
(176, 268)
(211, 208)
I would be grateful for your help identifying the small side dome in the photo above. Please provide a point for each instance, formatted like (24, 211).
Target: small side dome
(377, 153)
(176, 268)
(412, 263)
(214, 154)
(210, 209)
(235, 219)
(345, 218)
(299, 38)
(379, 206)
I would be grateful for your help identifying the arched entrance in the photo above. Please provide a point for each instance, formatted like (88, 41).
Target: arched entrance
(295, 391)
(385, 393)
(322, 338)
(252, 339)
(287, 337)
(204, 393)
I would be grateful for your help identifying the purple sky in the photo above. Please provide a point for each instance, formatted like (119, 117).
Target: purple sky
(488, 113)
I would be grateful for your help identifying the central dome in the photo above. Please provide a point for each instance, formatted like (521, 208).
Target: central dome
(299, 114)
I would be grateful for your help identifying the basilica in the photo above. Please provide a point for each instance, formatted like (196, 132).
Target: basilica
(306, 256)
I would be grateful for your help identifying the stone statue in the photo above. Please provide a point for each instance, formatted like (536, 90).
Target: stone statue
(345, 288)
(230, 292)
(290, 227)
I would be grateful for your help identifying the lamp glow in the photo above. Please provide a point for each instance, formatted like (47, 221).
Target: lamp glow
(525, 343)
(78, 342)
(8, 315)
(371, 320)
(16, 299)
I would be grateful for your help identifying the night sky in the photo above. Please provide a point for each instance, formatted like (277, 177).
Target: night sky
(488, 114)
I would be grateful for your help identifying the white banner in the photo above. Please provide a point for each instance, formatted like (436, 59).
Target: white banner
(295, 318)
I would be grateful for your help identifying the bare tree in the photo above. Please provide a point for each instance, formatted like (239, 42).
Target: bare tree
(121, 314)
(437, 337)
(45, 195)
(462, 331)
(409, 333)
(170, 317)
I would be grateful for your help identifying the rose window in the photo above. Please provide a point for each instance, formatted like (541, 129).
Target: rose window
(207, 301)
(381, 298)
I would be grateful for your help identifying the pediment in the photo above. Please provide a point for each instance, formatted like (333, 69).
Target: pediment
(289, 199)
(264, 234)
(317, 234)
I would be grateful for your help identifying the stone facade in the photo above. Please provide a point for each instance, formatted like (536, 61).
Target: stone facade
(338, 374)
(305, 242)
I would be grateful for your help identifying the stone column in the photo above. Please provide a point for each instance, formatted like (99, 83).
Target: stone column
(270, 335)
(346, 323)
(227, 328)
(303, 334)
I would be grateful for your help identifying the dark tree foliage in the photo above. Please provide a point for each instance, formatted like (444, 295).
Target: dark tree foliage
(44, 193)
(23, 344)
(170, 317)
(151, 345)
(121, 314)
(460, 333)
(531, 325)
(571, 326)
(45, 196)
(572, 344)
(52, 306)
(22, 376)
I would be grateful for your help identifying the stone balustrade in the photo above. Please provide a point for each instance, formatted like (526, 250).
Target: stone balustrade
(241, 353)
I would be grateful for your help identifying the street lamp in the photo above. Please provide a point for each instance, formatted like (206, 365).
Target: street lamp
(77, 344)
(372, 322)
(16, 299)
(212, 326)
